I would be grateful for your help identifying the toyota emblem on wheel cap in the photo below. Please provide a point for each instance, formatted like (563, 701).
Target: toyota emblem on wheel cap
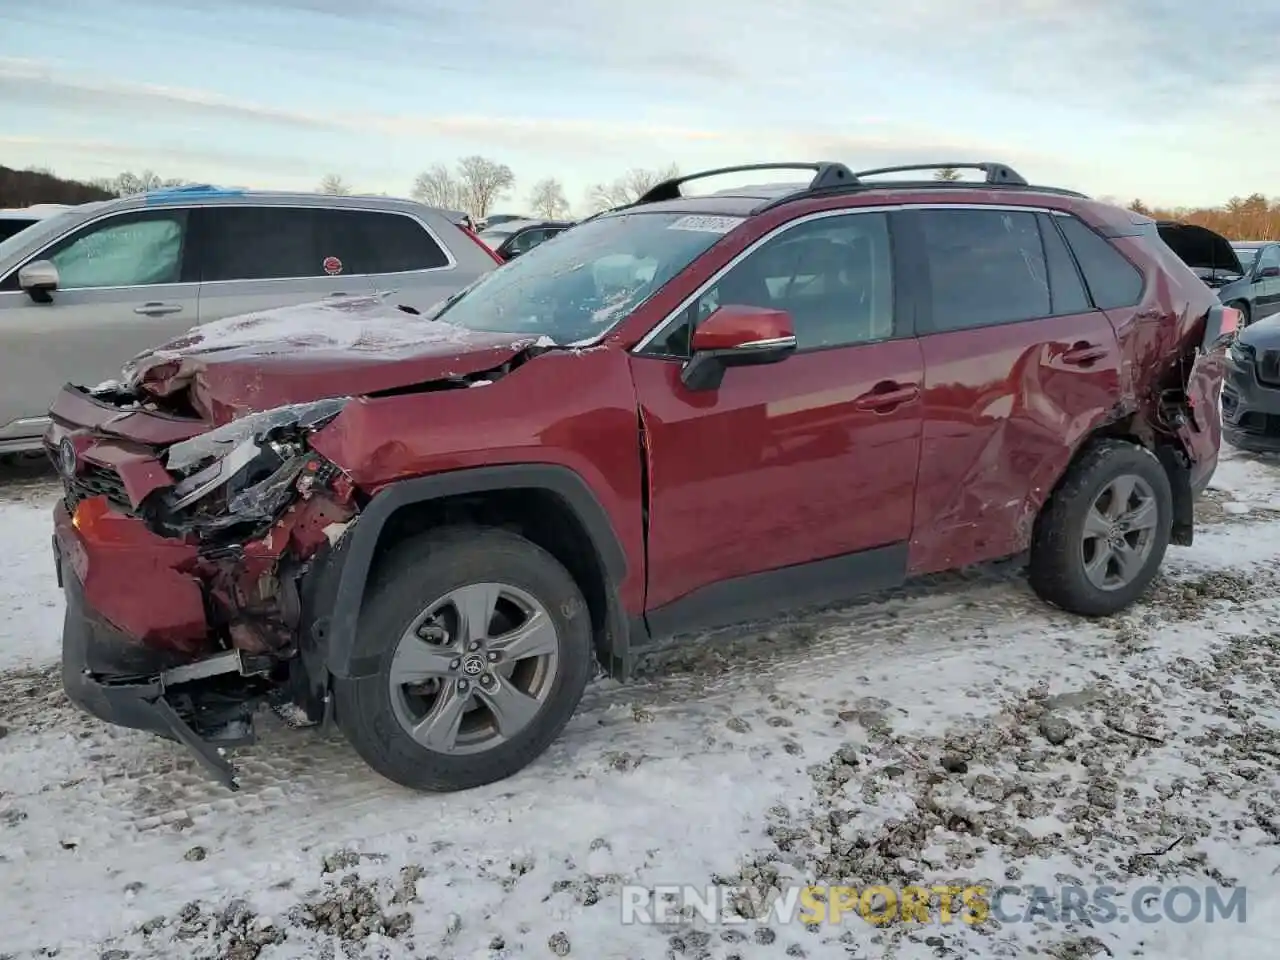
(67, 458)
(472, 666)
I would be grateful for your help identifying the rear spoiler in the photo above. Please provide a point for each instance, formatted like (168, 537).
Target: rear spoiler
(1221, 326)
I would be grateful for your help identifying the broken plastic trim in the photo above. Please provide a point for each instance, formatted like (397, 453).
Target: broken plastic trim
(217, 443)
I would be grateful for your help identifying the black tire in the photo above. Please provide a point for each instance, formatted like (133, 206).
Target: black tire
(1245, 317)
(412, 576)
(1057, 568)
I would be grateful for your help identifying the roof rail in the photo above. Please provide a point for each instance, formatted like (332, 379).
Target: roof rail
(995, 172)
(827, 174)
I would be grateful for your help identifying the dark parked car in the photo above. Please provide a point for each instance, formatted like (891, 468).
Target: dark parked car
(1244, 275)
(683, 413)
(514, 237)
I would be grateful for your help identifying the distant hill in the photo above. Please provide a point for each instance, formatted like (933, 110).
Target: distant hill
(22, 188)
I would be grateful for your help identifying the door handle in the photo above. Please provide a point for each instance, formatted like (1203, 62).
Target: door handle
(1083, 354)
(886, 395)
(155, 309)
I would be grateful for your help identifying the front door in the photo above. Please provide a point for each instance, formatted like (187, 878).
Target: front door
(810, 459)
(124, 286)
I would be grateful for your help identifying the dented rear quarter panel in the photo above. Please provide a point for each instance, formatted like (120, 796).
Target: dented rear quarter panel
(1003, 415)
(570, 408)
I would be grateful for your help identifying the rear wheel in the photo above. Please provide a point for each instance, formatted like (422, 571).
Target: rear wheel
(486, 649)
(1100, 539)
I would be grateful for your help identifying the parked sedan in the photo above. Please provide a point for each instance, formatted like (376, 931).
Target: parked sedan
(514, 237)
(1245, 275)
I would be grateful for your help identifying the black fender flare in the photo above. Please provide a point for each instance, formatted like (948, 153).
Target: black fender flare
(335, 629)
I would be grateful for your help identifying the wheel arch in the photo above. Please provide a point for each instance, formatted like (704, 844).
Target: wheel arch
(551, 505)
(1133, 429)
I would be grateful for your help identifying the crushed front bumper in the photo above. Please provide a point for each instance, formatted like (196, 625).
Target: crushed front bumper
(1250, 409)
(136, 702)
(113, 676)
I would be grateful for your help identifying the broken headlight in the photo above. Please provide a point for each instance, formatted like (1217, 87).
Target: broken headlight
(296, 418)
(254, 463)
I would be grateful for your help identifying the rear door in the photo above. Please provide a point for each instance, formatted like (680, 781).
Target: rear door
(125, 284)
(810, 459)
(402, 257)
(261, 257)
(1018, 366)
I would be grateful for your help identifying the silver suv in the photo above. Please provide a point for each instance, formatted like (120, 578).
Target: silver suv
(86, 290)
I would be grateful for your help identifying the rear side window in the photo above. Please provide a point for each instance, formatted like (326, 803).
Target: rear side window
(284, 243)
(1066, 289)
(368, 242)
(260, 243)
(1112, 280)
(987, 267)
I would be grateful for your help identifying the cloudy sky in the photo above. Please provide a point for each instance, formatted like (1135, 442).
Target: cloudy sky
(1170, 101)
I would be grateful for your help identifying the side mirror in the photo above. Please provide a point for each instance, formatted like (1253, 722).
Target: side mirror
(736, 336)
(39, 279)
(1268, 273)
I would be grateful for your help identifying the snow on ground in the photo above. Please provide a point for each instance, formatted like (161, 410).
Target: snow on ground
(969, 735)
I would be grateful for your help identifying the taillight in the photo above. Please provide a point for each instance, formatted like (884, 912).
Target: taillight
(480, 243)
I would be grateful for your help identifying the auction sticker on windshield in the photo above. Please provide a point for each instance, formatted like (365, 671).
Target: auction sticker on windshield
(705, 224)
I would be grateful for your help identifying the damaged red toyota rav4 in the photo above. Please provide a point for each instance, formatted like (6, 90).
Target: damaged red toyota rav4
(684, 413)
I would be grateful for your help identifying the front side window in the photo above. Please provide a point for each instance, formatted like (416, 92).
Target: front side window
(987, 267)
(589, 280)
(833, 275)
(1270, 258)
(129, 250)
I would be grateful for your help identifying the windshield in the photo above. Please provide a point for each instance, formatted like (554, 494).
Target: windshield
(590, 279)
(1247, 255)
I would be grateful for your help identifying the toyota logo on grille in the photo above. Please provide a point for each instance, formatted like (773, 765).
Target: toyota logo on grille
(67, 458)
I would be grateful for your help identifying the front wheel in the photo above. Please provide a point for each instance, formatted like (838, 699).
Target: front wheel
(1100, 539)
(486, 650)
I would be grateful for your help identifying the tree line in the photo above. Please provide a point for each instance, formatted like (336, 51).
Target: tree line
(478, 185)
(1240, 218)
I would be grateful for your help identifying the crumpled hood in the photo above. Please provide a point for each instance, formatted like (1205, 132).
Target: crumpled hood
(1199, 247)
(346, 347)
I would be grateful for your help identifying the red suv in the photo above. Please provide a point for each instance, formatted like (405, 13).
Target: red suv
(684, 413)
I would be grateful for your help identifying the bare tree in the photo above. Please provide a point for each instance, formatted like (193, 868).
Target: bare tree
(628, 188)
(334, 185)
(438, 187)
(547, 199)
(129, 184)
(947, 173)
(483, 182)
